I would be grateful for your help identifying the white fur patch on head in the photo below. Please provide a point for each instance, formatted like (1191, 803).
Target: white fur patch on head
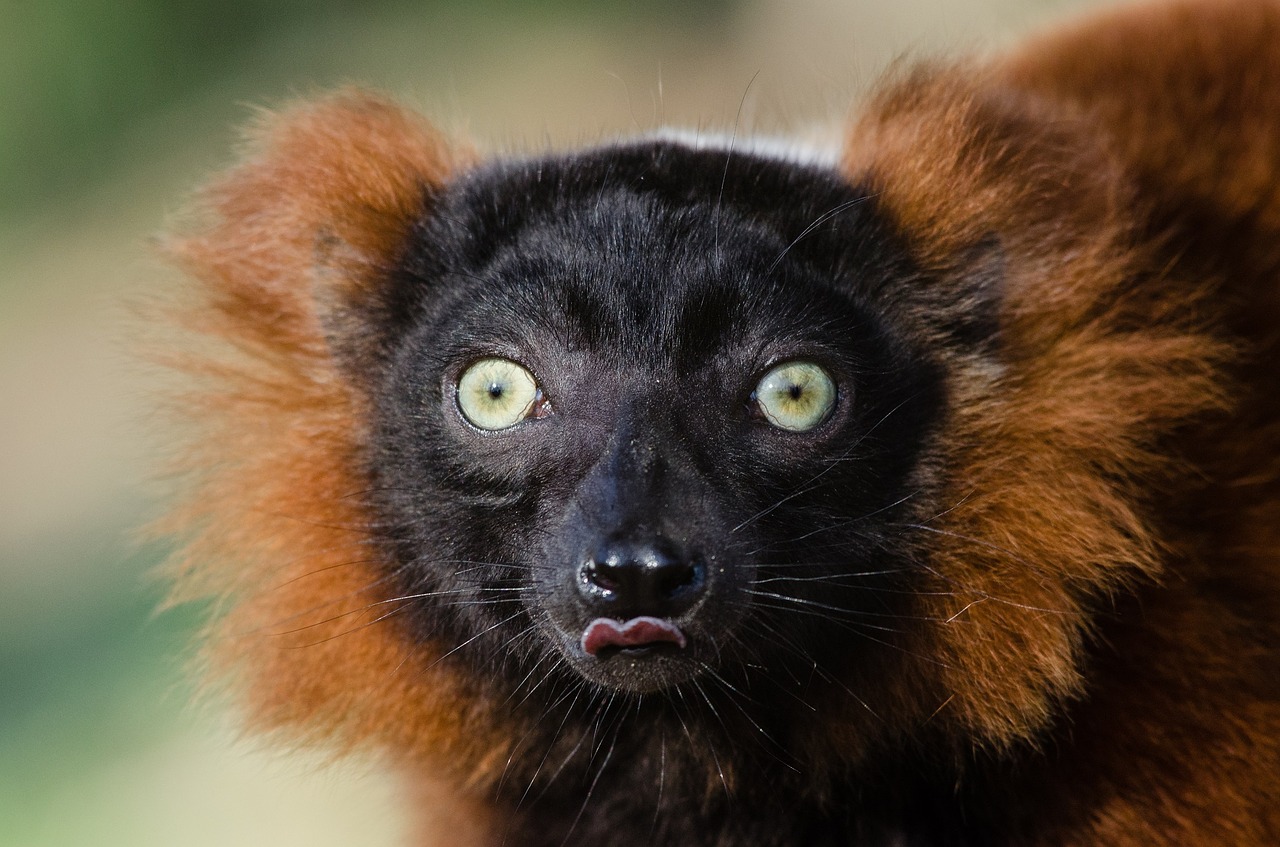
(818, 147)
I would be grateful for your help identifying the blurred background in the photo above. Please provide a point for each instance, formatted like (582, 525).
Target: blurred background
(111, 111)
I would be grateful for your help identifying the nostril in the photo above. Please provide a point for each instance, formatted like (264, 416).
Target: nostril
(601, 574)
(674, 578)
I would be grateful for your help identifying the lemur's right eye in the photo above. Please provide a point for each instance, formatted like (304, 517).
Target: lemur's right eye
(495, 394)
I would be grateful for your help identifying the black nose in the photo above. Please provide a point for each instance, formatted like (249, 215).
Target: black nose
(626, 578)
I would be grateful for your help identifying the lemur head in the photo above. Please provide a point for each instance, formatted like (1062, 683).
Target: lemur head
(833, 455)
(640, 413)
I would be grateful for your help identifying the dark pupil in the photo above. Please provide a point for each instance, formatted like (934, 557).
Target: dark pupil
(495, 390)
(795, 391)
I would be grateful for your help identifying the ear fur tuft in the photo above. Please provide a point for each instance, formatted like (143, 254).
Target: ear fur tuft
(326, 195)
(273, 519)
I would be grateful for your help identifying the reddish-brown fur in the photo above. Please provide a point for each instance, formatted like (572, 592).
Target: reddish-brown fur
(1130, 170)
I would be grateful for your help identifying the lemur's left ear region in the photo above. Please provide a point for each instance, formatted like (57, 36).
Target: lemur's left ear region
(300, 237)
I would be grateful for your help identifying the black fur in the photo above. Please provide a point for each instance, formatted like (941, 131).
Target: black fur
(648, 288)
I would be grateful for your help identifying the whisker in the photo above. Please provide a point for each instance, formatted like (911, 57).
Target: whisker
(586, 800)
(577, 691)
(817, 222)
(991, 546)
(840, 610)
(728, 158)
(353, 629)
(847, 580)
(582, 738)
(662, 780)
(809, 485)
(473, 638)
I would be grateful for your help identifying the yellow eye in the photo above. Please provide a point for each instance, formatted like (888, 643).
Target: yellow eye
(796, 396)
(497, 394)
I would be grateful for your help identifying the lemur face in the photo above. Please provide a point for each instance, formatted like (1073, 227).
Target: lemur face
(644, 419)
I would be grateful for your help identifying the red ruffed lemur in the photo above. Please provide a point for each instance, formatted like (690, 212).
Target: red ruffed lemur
(706, 493)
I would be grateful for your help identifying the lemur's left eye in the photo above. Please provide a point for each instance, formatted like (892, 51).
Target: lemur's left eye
(795, 396)
(496, 394)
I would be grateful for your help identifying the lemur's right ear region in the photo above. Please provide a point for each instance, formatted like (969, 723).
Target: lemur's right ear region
(300, 238)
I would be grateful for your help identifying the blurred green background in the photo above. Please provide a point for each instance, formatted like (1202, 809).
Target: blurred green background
(110, 112)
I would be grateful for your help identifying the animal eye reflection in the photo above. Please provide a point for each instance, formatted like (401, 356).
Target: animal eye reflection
(795, 396)
(496, 394)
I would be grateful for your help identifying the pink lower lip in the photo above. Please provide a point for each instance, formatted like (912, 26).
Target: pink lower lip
(643, 631)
